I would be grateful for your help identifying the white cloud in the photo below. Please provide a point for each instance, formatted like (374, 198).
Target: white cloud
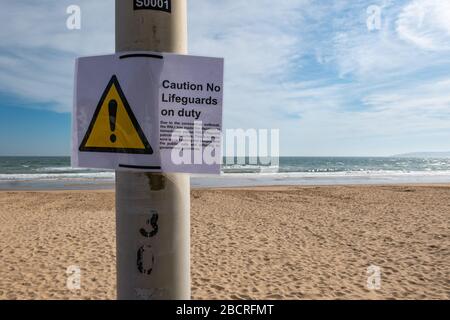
(426, 24)
(310, 68)
(259, 40)
(411, 38)
(37, 51)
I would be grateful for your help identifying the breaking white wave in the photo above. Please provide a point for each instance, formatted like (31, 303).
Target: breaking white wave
(57, 176)
(109, 175)
(64, 169)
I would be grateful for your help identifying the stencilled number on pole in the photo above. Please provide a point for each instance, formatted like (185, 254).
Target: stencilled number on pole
(145, 255)
(159, 5)
(145, 259)
(153, 222)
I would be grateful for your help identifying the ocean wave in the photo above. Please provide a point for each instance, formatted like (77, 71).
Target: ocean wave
(57, 176)
(66, 169)
(355, 173)
(109, 175)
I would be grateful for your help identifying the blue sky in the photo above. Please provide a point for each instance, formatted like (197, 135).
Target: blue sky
(312, 69)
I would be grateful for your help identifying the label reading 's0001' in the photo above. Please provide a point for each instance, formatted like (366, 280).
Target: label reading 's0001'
(160, 5)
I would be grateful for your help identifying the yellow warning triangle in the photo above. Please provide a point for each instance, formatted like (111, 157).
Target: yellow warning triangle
(114, 127)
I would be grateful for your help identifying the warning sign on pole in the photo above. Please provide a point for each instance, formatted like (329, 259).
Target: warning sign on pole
(113, 111)
(148, 111)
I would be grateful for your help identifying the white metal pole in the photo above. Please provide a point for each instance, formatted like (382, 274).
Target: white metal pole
(152, 210)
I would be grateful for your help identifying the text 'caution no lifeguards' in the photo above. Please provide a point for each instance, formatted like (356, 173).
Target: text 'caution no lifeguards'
(148, 111)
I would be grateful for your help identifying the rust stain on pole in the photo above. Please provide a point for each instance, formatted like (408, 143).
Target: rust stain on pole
(156, 181)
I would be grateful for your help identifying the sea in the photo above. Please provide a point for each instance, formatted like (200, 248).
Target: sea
(48, 173)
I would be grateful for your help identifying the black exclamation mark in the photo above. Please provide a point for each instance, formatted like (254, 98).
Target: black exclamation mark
(112, 118)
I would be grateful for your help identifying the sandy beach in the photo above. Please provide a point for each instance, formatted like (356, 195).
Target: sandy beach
(247, 243)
